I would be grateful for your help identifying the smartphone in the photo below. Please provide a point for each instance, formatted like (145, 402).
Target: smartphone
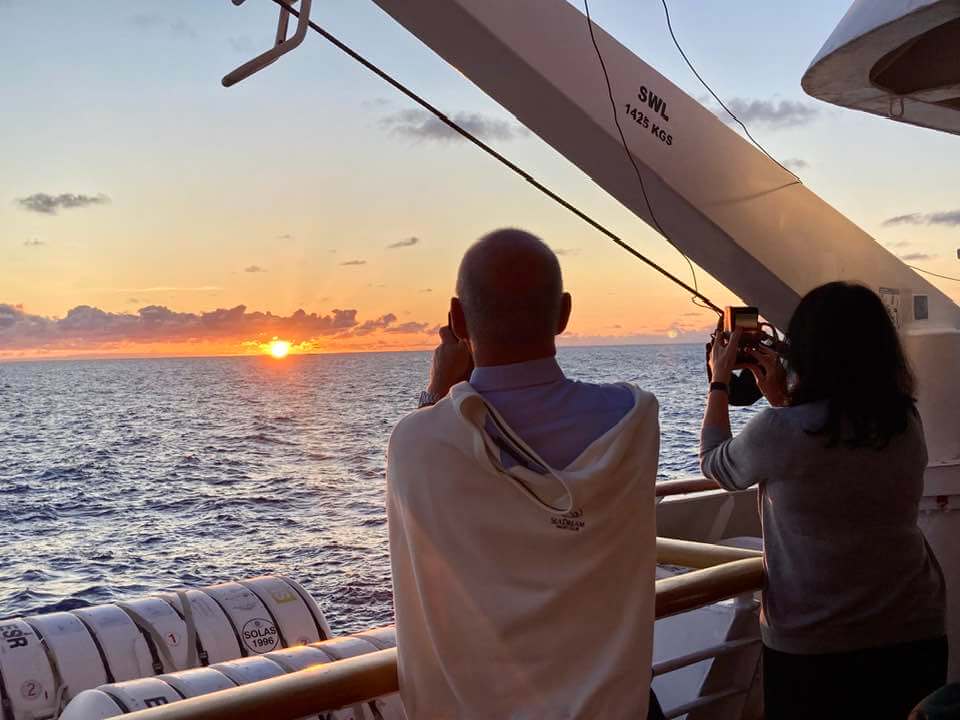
(747, 318)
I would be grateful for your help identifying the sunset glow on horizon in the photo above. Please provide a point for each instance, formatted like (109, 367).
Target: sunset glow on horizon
(279, 349)
(178, 218)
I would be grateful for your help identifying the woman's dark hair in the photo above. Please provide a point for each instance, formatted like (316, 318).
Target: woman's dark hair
(845, 350)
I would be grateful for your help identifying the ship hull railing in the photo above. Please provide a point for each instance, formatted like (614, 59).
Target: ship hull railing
(720, 573)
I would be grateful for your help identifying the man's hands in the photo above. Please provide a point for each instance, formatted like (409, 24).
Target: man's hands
(452, 363)
(723, 356)
(770, 375)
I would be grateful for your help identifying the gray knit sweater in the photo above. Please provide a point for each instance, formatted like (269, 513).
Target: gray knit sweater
(847, 567)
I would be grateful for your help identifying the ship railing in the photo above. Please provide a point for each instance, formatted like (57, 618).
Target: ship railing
(721, 573)
(667, 488)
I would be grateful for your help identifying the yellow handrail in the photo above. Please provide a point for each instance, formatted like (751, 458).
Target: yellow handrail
(359, 679)
(666, 488)
(687, 553)
(697, 588)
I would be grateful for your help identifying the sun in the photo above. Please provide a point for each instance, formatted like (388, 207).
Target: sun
(279, 348)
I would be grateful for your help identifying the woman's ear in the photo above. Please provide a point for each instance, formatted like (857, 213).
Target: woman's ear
(458, 321)
(566, 305)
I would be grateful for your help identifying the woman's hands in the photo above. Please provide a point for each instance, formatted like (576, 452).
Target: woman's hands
(770, 375)
(723, 356)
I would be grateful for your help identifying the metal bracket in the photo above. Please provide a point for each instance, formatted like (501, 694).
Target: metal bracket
(282, 45)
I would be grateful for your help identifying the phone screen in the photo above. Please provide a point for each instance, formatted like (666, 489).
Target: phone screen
(747, 319)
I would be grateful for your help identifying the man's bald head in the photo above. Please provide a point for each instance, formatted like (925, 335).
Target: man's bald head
(511, 290)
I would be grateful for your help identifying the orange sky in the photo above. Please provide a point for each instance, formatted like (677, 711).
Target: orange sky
(146, 210)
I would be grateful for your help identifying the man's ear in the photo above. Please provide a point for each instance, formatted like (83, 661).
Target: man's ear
(566, 305)
(458, 321)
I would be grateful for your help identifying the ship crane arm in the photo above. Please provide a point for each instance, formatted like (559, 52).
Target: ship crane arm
(721, 201)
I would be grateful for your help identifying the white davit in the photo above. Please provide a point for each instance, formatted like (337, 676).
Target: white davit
(47, 660)
(112, 700)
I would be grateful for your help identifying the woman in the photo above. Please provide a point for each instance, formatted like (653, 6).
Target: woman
(852, 614)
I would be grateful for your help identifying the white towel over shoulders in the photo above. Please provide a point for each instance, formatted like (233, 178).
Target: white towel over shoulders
(506, 608)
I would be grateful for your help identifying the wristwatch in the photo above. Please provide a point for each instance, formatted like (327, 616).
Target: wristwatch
(427, 398)
(721, 386)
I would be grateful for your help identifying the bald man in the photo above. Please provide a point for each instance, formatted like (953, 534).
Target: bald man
(521, 511)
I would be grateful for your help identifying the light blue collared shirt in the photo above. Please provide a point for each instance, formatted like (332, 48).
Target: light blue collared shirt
(554, 415)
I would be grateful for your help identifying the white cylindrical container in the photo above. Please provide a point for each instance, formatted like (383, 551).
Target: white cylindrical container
(249, 669)
(213, 627)
(295, 621)
(141, 694)
(249, 617)
(27, 675)
(120, 640)
(72, 650)
(91, 705)
(383, 638)
(164, 626)
(298, 658)
(346, 647)
(341, 648)
(315, 610)
(198, 681)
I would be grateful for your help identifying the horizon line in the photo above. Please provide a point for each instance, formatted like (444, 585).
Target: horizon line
(265, 356)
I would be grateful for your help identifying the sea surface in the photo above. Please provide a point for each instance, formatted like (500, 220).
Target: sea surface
(122, 477)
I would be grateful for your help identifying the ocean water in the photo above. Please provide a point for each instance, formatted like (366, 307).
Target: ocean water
(122, 477)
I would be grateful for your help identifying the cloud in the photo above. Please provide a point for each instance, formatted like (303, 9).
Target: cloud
(178, 27)
(771, 114)
(911, 257)
(50, 204)
(566, 252)
(419, 125)
(33, 242)
(426, 290)
(85, 326)
(950, 218)
(409, 242)
(285, 236)
(409, 328)
(381, 323)
(796, 164)
(353, 262)
(911, 219)
(254, 269)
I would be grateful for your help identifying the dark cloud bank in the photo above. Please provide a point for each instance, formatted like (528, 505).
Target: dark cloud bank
(85, 326)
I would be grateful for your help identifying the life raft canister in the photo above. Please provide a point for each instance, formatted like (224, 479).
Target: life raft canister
(47, 660)
(216, 638)
(120, 698)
